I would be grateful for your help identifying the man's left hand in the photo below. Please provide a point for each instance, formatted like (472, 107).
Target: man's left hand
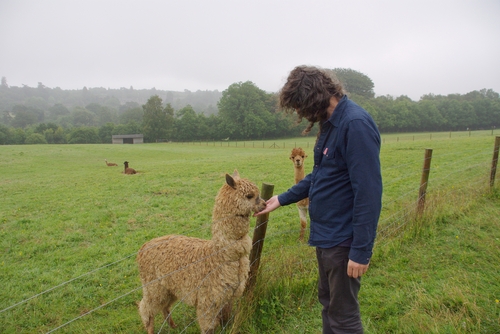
(356, 270)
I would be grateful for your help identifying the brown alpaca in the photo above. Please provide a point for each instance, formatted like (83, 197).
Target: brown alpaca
(128, 170)
(206, 274)
(298, 156)
(109, 164)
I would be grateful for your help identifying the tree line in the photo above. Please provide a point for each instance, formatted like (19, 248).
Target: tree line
(241, 112)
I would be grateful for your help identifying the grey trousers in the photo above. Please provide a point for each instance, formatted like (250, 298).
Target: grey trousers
(337, 292)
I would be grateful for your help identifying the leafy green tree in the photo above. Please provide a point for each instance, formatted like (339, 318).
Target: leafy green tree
(169, 120)
(49, 136)
(105, 132)
(23, 117)
(285, 125)
(383, 118)
(355, 82)
(154, 121)
(59, 136)
(16, 136)
(403, 112)
(127, 106)
(133, 114)
(212, 123)
(35, 138)
(104, 114)
(243, 113)
(42, 127)
(429, 115)
(6, 118)
(186, 124)
(486, 105)
(36, 103)
(83, 117)
(4, 132)
(83, 135)
(204, 132)
(459, 115)
(111, 102)
(57, 110)
(126, 129)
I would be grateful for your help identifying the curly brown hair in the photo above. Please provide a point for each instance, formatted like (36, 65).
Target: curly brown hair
(308, 91)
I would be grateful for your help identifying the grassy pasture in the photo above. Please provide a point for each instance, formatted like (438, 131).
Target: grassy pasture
(70, 228)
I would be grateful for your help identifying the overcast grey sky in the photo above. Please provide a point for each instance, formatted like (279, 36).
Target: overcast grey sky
(406, 47)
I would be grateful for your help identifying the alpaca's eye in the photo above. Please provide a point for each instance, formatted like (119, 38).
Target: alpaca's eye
(250, 196)
(302, 157)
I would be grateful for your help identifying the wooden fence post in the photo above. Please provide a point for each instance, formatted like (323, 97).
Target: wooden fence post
(494, 162)
(259, 235)
(423, 181)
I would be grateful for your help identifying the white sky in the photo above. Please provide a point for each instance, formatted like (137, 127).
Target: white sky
(406, 47)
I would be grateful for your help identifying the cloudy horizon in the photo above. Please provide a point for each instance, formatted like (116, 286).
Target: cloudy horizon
(406, 48)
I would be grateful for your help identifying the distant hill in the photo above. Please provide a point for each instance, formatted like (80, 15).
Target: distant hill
(43, 97)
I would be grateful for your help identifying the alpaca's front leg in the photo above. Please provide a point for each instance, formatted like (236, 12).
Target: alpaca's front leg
(151, 325)
(303, 221)
(207, 318)
(147, 316)
(168, 301)
(225, 314)
(168, 315)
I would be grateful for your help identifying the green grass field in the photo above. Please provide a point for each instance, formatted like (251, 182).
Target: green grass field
(70, 228)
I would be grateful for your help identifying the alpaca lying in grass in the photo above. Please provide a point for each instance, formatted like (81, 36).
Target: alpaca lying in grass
(110, 164)
(128, 170)
(206, 274)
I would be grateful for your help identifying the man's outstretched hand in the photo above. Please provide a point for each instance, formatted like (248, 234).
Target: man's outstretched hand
(271, 205)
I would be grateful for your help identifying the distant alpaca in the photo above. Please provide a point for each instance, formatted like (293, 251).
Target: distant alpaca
(128, 170)
(110, 163)
(297, 156)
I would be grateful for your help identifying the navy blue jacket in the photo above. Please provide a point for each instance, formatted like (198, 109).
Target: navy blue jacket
(345, 185)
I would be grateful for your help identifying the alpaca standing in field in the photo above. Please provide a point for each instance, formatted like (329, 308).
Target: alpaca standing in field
(207, 274)
(110, 164)
(298, 156)
(128, 170)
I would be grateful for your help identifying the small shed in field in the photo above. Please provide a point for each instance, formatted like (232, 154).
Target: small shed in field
(128, 139)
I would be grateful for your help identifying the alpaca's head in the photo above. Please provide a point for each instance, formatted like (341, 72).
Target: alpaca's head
(298, 156)
(234, 203)
(238, 197)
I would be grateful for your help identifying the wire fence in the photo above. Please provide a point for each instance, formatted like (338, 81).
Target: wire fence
(399, 213)
(309, 140)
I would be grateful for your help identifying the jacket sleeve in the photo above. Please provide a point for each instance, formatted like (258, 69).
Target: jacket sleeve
(296, 193)
(363, 163)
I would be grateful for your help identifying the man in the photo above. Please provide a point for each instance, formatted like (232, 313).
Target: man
(344, 190)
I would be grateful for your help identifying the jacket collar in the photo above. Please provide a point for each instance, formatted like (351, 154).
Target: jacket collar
(339, 110)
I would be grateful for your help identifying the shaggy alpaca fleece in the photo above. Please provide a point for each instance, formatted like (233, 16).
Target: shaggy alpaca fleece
(298, 156)
(206, 274)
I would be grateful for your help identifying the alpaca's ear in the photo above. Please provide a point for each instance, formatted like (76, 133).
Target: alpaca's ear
(236, 174)
(230, 181)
